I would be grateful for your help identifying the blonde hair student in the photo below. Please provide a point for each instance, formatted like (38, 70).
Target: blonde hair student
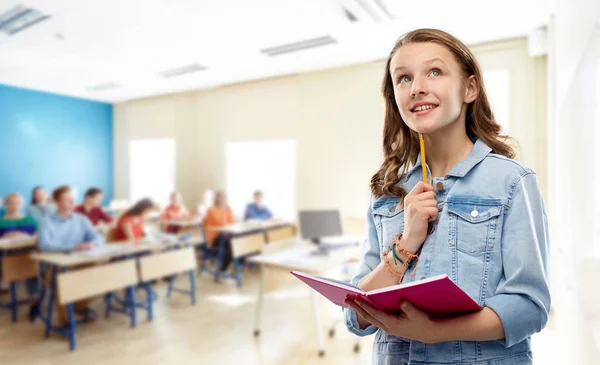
(475, 215)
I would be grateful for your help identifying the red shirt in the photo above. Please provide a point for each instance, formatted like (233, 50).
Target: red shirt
(95, 215)
(137, 226)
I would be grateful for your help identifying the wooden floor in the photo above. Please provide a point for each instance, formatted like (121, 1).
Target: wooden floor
(218, 330)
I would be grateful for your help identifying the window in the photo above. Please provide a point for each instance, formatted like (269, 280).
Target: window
(266, 166)
(151, 169)
(497, 86)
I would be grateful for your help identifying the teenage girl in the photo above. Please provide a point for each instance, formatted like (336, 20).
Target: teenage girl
(481, 221)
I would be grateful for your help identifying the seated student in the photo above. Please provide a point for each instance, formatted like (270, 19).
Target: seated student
(91, 207)
(131, 223)
(174, 211)
(40, 206)
(14, 224)
(217, 216)
(208, 198)
(257, 210)
(66, 231)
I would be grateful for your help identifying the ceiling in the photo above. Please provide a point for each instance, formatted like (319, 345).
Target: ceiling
(116, 50)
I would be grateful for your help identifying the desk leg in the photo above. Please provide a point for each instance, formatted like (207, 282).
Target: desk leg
(108, 302)
(149, 300)
(71, 327)
(315, 307)
(170, 287)
(193, 286)
(51, 290)
(221, 256)
(259, 301)
(131, 304)
(14, 304)
(42, 296)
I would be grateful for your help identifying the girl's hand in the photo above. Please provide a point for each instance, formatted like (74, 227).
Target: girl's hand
(85, 246)
(420, 208)
(413, 324)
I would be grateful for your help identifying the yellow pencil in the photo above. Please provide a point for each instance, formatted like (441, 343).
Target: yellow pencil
(423, 163)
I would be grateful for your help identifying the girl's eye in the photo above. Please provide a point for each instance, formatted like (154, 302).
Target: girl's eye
(435, 72)
(404, 79)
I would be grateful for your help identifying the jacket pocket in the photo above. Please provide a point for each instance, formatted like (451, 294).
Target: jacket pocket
(473, 222)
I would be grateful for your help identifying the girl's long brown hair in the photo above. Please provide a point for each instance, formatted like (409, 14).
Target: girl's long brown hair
(139, 208)
(401, 144)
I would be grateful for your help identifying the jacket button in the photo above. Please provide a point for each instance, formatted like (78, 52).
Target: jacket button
(439, 185)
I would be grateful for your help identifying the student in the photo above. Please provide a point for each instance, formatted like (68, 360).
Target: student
(131, 223)
(14, 224)
(91, 207)
(67, 231)
(208, 198)
(217, 216)
(40, 206)
(489, 230)
(174, 211)
(257, 210)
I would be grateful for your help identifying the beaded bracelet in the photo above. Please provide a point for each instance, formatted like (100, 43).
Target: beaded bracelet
(410, 256)
(396, 252)
(392, 272)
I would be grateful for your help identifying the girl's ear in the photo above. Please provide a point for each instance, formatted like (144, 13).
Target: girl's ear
(472, 89)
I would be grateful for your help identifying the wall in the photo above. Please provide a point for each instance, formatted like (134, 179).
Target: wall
(166, 117)
(336, 117)
(576, 236)
(573, 79)
(50, 140)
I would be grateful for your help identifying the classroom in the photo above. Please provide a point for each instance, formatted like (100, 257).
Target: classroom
(299, 182)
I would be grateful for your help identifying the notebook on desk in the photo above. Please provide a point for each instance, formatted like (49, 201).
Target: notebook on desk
(439, 296)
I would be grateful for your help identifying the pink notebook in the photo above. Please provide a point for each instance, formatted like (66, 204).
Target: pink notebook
(438, 296)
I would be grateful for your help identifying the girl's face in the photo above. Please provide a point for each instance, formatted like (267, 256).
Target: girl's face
(430, 88)
(41, 196)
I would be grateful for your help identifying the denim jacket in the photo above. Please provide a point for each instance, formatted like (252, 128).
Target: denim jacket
(490, 238)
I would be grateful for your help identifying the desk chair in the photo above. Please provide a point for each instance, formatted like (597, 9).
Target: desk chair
(89, 282)
(15, 268)
(243, 247)
(168, 264)
(278, 234)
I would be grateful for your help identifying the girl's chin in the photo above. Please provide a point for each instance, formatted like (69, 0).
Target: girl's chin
(425, 128)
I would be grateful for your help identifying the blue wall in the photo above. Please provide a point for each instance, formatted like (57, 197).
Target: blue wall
(51, 140)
